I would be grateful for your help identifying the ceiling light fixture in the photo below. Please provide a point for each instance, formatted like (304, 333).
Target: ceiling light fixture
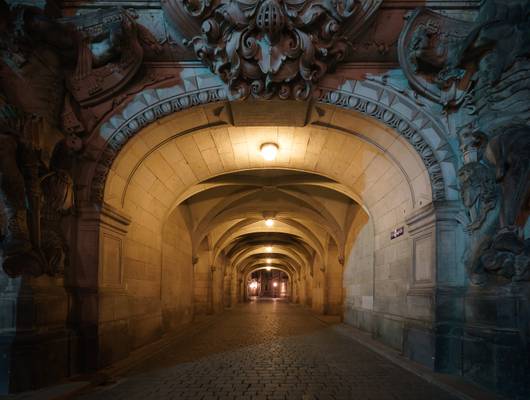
(269, 151)
(269, 249)
(268, 268)
(269, 222)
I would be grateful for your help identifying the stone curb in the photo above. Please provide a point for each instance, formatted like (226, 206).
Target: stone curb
(453, 385)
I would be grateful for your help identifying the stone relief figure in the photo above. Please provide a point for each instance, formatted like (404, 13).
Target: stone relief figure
(496, 191)
(111, 46)
(428, 46)
(478, 72)
(499, 37)
(452, 57)
(33, 50)
(479, 195)
(17, 249)
(509, 152)
(81, 59)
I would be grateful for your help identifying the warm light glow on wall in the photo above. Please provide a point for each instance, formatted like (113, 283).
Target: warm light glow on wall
(269, 151)
(269, 222)
(275, 284)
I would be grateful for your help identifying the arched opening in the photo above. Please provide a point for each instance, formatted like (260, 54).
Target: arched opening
(195, 197)
(268, 283)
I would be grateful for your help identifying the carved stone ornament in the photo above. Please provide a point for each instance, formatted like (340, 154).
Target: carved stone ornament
(429, 52)
(274, 47)
(110, 52)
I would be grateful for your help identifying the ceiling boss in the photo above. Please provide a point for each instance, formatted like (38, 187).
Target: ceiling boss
(267, 48)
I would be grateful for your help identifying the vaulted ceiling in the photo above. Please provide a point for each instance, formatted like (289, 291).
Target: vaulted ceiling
(229, 219)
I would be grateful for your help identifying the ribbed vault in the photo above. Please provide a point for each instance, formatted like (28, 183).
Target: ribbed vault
(228, 221)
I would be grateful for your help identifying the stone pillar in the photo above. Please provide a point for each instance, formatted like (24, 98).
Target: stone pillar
(211, 299)
(100, 302)
(434, 296)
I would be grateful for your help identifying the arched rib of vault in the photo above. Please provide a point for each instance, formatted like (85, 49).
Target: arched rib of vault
(170, 178)
(247, 274)
(293, 243)
(373, 98)
(237, 230)
(308, 180)
(284, 261)
(281, 227)
(258, 251)
(238, 200)
(277, 263)
(288, 212)
(247, 195)
(293, 249)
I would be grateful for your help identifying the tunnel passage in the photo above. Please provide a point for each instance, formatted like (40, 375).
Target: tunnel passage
(190, 212)
(267, 219)
(268, 282)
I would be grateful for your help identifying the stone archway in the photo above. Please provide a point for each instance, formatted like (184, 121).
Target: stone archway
(144, 156)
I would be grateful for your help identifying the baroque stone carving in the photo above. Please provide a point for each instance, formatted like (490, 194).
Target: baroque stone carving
(451, 61)
(66, 65)
(130, 126)
(479, 72)
(429, 50)
(496, 190)
(110, 51)
(272, 47)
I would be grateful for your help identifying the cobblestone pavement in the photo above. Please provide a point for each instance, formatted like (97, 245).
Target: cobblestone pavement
(268, 350)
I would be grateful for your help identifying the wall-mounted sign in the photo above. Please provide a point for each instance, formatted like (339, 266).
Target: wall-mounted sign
(397, 232)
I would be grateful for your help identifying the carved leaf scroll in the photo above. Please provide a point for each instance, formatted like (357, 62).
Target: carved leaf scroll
(266, 48)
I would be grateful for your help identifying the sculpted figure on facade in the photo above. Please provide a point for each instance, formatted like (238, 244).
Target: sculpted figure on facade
(483, 82)
(495, 187)
(66, 65)
(31, 55)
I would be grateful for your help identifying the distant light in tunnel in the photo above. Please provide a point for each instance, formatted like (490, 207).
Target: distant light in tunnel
(253, 285)
(275, 284)
(269, 222)
(269, 151)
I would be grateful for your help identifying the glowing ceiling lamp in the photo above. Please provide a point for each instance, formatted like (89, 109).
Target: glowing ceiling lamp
(268, 249)
(269, 151)
(269, 222)
(268, 268)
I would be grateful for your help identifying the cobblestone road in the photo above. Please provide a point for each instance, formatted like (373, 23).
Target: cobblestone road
(268, 350)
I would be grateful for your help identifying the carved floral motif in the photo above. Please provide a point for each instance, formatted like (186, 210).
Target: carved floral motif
(272, 47)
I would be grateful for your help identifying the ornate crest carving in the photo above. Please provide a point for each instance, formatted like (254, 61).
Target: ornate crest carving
(275, 47)
(110, 52)
(429, 52)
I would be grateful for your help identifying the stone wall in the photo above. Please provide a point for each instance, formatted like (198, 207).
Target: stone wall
(177, 272)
